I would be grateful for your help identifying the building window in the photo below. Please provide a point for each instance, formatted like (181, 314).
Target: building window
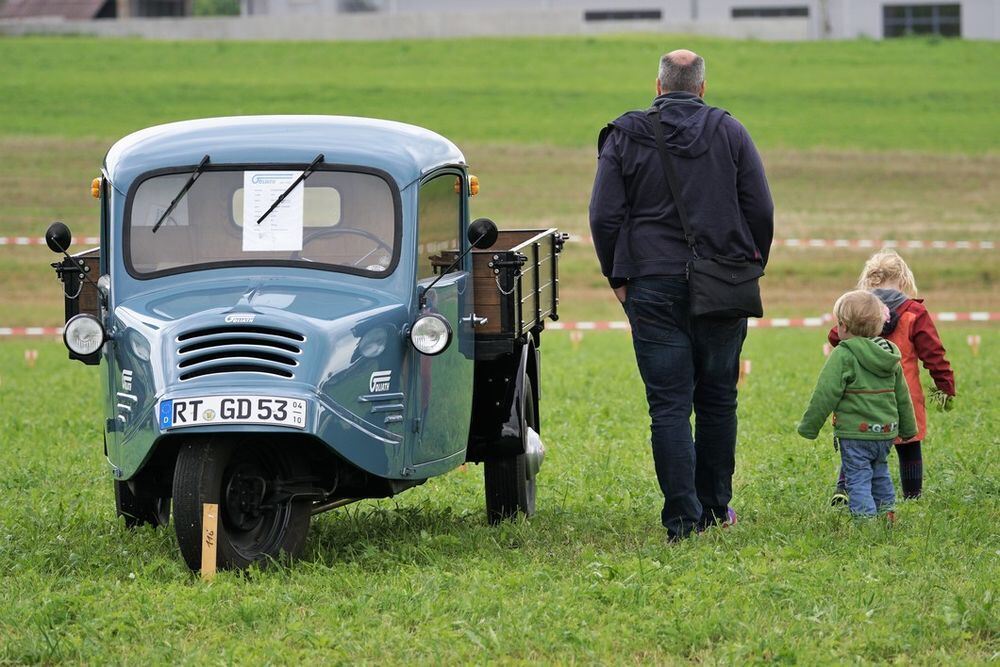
(770, 12)
(623, 15)
(903, 20)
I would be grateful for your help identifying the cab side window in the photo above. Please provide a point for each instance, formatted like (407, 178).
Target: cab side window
(439, 224)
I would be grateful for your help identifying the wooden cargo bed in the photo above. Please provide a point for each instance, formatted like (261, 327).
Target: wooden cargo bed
(516, 283)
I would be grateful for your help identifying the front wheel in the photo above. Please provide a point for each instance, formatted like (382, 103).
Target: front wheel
(510, 481)
(257, 520)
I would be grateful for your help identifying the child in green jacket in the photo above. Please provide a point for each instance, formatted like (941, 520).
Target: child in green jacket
(862, 384)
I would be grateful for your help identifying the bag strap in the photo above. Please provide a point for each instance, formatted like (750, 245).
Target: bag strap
(670, 176)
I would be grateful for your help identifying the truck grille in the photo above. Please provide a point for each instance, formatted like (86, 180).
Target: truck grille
(238, 349)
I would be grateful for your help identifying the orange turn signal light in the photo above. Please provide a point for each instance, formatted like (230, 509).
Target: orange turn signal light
(95, 188)
(473, 185)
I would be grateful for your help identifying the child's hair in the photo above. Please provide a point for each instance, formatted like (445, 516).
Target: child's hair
(886, 266)
(860, 312)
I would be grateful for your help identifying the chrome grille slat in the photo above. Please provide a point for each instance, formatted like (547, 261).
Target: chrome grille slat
(240, 354)
(235, 368)
(240, 329)
(220, 341)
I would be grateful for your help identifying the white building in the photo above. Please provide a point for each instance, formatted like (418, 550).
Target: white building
(805, 19)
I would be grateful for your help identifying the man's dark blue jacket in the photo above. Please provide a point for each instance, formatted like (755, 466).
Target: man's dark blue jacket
(633, 219)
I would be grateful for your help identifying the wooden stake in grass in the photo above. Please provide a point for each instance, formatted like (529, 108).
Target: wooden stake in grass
(575, 338)
(744, 372)
(974, 342)
(209, 539)
(30, 357)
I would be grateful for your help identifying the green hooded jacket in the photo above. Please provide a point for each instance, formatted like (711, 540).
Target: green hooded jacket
(862, 384)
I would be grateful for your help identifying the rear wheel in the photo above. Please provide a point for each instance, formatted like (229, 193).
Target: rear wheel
(258, 520)
(140, 509)
(510, 481)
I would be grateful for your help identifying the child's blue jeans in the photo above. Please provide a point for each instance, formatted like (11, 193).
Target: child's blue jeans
(869, 486)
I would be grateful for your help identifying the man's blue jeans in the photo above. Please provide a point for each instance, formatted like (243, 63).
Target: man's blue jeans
(869, 486)
(687, 362)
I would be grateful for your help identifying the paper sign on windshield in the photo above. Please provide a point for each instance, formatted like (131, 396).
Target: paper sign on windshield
(282, 229)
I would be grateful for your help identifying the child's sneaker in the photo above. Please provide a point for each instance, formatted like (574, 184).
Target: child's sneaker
(839, 497)
(731, 518)
(890, 517)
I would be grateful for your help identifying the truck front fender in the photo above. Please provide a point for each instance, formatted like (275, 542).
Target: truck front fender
(498, 397)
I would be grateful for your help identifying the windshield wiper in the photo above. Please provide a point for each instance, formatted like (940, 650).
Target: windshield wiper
(180, 195)
(303, 176)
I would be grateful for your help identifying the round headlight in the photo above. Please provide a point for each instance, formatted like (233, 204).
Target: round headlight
(83, 334)
(430, 334)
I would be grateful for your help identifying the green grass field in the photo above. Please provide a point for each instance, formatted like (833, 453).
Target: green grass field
(590, 579)
(916, 95)
(861, 140)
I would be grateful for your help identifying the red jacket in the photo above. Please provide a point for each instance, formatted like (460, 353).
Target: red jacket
(917, 339)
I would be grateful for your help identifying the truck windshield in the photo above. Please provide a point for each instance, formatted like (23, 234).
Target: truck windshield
(338, 220)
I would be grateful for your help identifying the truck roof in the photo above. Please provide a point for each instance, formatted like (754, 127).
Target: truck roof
(404, 151)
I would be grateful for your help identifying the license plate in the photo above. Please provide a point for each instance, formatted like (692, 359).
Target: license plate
(208, 410)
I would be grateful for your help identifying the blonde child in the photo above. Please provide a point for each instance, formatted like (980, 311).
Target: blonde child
(862, 384)
(910, 328)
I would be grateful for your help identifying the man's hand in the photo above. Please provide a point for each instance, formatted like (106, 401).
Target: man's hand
(621, 292)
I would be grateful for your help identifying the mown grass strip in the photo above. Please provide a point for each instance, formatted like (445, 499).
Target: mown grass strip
(912, 94)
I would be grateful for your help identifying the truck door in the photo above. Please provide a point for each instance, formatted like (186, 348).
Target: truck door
(442, 392)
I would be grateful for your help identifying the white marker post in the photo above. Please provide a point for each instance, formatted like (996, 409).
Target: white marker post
(209, 539)
(974, 342)
(745, 367)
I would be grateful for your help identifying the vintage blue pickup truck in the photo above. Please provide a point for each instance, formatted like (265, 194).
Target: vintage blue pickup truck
(292, 313)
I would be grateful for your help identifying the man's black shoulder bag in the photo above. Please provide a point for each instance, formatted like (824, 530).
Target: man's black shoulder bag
(720, 286)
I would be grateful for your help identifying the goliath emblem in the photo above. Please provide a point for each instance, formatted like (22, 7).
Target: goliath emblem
(246, 318)
(380, 381)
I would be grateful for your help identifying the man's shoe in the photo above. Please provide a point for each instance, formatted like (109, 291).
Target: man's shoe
(731, 518)
(839, 497)
(890, 517)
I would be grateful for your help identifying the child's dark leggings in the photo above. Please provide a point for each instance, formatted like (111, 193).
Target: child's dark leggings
(911, 470)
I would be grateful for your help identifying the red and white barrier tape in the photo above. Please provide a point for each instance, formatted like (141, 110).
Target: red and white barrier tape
(621, 325)
(773, 322)
(31, 331)
(579, 238)
(857, 243)
(40, 240)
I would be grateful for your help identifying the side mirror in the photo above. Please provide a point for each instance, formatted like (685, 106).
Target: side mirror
(58, 237)
(483, 233)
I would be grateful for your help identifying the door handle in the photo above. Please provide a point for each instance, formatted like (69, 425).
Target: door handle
(474, 320)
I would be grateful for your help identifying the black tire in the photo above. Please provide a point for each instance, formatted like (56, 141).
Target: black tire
(510, 486)
(216, 471)
(140, 510)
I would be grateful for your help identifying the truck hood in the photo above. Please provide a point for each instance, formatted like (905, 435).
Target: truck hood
(310, 299)
(234, 332)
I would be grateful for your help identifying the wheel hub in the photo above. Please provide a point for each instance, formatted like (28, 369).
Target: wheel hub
(534, 452)
(244, 497)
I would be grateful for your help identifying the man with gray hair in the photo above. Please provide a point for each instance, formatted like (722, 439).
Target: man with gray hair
(686, 362)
